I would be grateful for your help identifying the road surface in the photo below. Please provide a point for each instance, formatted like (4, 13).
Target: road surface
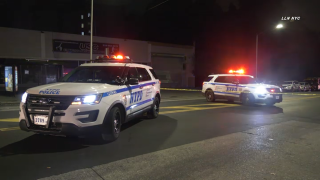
(191, 139)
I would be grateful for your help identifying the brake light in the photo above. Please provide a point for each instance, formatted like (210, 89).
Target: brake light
(272, 90)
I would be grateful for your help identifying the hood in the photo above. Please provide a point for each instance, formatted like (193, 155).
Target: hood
(71, 88)
(263, 85)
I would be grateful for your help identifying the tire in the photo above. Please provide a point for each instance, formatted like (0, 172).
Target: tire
(247, 99)
(210, 96)
(270, 103)
(154, 112)
(112, 124)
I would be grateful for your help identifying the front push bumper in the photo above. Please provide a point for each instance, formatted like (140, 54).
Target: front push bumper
(66, 129)
(60, 128)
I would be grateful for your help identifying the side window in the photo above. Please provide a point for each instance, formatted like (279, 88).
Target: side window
(224, 79)
(143, 74)
(153, 73)
(231, 79)
(221, 79)
(132, 73)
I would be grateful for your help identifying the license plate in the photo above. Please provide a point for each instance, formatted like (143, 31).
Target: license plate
(40, 120)
(277, 97)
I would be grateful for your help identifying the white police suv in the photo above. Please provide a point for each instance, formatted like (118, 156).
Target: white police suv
(94, 99)
(239, 87)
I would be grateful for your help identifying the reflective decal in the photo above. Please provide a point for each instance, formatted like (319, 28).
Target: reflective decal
(136, 97)
(232, 89)
(50, 91)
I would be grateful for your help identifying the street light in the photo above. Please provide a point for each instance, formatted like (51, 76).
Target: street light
(279, 26)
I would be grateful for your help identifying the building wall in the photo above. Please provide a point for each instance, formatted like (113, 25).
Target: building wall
(28, 44)
(17, 43)
(137, 50)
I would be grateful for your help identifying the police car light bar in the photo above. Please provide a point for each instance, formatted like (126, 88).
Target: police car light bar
(240, 71)
(112, 58)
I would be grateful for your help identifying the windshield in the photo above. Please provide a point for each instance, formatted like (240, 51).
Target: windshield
(94, 74)
(245, 80)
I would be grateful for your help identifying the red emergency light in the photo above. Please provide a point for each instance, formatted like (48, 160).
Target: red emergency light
(112, 58)
(240, 71)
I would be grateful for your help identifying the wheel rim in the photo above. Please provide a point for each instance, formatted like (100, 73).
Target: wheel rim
(209, 96)
(116, 122)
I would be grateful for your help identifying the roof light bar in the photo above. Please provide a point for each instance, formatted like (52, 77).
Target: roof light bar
(112, 58)
(240, 71)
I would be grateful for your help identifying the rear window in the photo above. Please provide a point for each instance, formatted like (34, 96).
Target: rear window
(153, 74)
(208, 79)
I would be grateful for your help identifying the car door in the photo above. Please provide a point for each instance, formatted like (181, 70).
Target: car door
(145, 83)
(134, 95)
(220, 87)
(232, 87)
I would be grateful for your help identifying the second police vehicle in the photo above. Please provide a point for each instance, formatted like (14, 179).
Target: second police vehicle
(93, 99)
(236, 86)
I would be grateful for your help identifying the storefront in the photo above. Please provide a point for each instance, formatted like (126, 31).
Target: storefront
(39, 58)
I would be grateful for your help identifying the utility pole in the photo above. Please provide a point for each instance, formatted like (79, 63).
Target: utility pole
(91, 30)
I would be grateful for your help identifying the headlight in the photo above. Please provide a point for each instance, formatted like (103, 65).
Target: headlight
(261, 90)
(90, 99)
(24, 97)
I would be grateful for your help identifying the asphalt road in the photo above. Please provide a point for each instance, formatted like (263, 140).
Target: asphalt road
(191, 139)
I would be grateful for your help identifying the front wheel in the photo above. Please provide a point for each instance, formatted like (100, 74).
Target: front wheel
(247, 99)
(112, 124)
(210, 96)
(154, 112)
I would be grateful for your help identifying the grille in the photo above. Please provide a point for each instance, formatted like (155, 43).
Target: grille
(45, 102)
(276, 90)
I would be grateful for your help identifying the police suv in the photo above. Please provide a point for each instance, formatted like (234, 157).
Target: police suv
(94, 99)
(239, 87)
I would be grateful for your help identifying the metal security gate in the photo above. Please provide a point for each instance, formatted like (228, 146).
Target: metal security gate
(170, 69)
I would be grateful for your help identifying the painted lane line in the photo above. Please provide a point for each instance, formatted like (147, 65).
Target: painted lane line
(193, 109)
(10, 120)
(9, 129)
(167, 100)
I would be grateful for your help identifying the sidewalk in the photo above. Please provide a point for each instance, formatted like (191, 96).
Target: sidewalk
(10, 100)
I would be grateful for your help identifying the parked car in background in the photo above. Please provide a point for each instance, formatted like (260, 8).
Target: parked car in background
(290, 86)
(305, 86)
(314, 83)
(276, 83)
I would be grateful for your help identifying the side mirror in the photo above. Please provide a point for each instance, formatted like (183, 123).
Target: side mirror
(133, 81)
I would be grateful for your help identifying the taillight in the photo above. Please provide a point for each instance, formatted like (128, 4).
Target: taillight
(159, 82)
(202, 83)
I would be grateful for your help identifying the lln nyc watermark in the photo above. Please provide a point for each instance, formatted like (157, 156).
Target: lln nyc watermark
(290, 18)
